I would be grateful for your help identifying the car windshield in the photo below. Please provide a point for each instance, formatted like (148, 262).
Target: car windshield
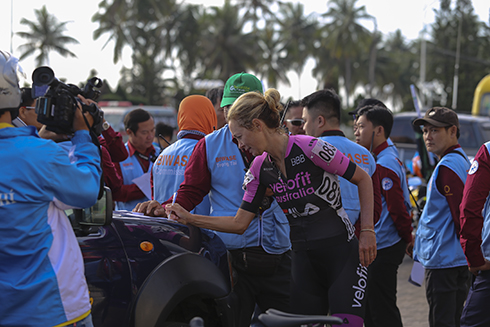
(115, 119)
(485, 131)
(402, 131)
(467, 137)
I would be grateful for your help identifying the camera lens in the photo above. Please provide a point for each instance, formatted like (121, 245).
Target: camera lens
(44, 78)
(43, 75)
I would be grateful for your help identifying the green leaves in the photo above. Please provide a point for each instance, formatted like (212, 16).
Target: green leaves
(45, 35)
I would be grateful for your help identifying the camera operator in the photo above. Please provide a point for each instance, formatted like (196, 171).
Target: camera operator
(41, 277)
(27, 111)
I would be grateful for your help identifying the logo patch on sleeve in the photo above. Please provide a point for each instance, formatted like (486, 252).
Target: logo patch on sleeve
(473, 168)
(386, 184)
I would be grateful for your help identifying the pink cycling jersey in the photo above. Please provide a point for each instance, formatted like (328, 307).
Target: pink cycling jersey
(310, 194)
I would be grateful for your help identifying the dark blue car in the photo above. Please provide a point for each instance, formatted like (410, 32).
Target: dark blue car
(145, 272)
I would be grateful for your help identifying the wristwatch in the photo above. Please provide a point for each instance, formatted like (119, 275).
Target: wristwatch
(106, 125)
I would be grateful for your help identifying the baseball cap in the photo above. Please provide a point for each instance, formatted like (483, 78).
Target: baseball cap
(439, 117)
(239, 84)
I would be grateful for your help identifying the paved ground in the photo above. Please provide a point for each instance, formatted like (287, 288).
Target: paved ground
(411, 299)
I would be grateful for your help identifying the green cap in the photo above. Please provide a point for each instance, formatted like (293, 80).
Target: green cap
(239, 84)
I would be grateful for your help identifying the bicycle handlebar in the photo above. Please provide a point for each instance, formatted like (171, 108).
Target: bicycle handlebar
(276, 318)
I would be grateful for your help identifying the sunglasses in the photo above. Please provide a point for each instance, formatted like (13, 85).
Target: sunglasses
(296, 122)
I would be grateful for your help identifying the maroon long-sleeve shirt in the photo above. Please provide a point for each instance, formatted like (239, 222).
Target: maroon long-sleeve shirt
(197, 179)
(451, 186)
(114, 144)
(395, 200)
(113, 150)
(475, 194)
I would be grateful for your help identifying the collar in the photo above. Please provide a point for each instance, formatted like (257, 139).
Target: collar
(183, 133)
(380, 148)
(192, 136)
(132, 150)
(451, 148)
(4, 125)
(333, 132)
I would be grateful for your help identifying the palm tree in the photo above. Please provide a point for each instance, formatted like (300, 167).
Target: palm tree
(185, 38)
(45, 35)
(297, 33)
(396, 69)
(113, 20)
(227, 50)
(252, 8)
(345, 37)
(270, 66)
(473, 64)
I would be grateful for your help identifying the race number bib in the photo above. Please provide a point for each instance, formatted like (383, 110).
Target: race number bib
(324, 150)
(329, 190)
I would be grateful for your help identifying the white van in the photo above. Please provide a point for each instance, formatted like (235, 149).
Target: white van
(115, 116)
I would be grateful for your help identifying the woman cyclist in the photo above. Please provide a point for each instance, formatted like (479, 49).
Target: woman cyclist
(329, 271)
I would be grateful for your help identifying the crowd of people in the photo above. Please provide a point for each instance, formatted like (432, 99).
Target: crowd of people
(314, 223)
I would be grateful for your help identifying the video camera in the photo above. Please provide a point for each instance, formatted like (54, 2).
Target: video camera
(57, 101)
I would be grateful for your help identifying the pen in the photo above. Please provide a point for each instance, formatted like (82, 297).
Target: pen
(173, 202)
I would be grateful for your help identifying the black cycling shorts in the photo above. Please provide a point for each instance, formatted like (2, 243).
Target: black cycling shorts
(327, 278)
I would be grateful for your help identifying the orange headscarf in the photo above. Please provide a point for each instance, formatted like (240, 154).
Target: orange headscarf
(196, 113)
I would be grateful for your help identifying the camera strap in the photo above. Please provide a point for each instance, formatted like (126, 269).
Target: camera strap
(142, 156)
(150, 158)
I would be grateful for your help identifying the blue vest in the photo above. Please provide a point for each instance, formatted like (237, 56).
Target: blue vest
(168, 172)
(269, 230)
(392, 145)
(360, 156)
(386, 232)
(131, 169)
(158, 150)
(437, 244)
(485, 234)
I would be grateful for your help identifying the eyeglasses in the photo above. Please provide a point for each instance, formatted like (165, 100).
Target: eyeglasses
(30, 108)
(296, 122)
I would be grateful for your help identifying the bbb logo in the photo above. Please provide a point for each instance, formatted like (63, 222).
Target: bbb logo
(298, 160)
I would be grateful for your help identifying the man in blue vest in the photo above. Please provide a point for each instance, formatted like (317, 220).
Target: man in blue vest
(321, 116)
(437, 244)
(140, 127)
(393, 230)
(261, 256)
(475, 240)
(371, 102)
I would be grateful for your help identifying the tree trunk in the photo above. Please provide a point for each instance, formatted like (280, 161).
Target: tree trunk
(347, 80)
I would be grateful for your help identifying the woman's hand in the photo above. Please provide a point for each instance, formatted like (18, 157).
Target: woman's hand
(367, 247)
(179, 214)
